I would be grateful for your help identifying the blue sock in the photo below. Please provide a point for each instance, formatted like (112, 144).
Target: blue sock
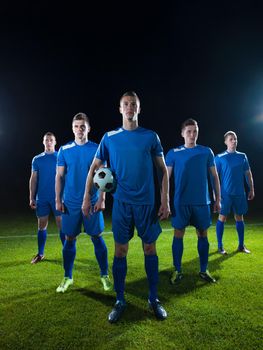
(151, 268)
(41, 240)
(62, 237)
(203, 249)
(220, 225)
(119, 272)
(101, 253)
(69, 253)
(177, 249)
(240, 226)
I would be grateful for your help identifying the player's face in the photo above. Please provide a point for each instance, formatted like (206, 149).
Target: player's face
(190, 135)
(49, 143)
(80, 129)
(130, 108)
(231, 142)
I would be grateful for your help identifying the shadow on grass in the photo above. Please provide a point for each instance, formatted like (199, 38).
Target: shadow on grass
(132, 313)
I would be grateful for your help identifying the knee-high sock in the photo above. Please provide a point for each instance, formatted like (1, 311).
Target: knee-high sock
(151, 268)
(177, 249)
(220, 225)
(240, 227)
(119, 272)
(62, 237)
(203, 250)
(69, 253)
(101, 253)
(41, 241)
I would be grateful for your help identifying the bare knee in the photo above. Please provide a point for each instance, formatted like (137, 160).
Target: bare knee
(42, 223)
(178, 233)
(222, 218)
(201, 233)
(149, 249)
(121, 250)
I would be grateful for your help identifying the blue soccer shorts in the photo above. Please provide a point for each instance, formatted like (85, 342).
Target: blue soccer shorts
(73, 219)
(125, 217)
(237, 204)
(198, 216)
(44, 207)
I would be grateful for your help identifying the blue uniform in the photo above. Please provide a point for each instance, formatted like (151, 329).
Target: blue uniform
(191, 197)
(232, 168)
(131, 159)
(45, 166)
(77, 160)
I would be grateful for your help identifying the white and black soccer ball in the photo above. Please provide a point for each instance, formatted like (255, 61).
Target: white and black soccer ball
(104, 180)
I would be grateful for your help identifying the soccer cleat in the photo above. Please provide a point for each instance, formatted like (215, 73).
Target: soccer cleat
(207, 277)
(117, 311)
(37, 259)
(107, 285)
(66, 282)
(176, 277)
(158, 309)
(222, 251)
(243, 250)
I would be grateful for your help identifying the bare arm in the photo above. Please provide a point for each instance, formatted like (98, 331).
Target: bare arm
(216, 188)
(86, 204)
(164, 209)
(251, 193)
(33, 189)
(59, 187)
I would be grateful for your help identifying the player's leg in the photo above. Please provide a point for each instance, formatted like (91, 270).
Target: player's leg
(201, 219)
(122, 227)
(41, 238)
(220, 226)
(226, 204)
(180, 219)
(240, 208)
(71, 226)
(149, 229)
(152, 271)
(94, 225)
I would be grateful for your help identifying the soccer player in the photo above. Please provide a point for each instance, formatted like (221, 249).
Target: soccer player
(74, 160)
(190, 165)
(42, 192)
(233, 168)
(131, 151)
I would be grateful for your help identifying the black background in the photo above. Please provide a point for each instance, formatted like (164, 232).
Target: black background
(184, 59)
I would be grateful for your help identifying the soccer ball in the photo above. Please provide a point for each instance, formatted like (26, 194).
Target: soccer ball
(104, 180)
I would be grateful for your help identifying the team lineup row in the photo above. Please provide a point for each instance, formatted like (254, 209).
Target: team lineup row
(62, 183)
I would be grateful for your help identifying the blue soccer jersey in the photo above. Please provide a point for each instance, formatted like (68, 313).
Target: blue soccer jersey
(77, 160)
(45, 166)
(231, 169)
(190, 168)
(131, 159)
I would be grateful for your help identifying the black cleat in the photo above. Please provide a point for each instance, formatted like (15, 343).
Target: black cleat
(207, 277)
(158, 309)
(117, 311)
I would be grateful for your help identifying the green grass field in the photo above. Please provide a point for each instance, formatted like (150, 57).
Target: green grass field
(225, 315)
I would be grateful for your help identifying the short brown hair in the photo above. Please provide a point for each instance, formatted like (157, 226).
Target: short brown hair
(130, 93)
(81, 116)
(49, 133)
(230, 132)
(187, 122)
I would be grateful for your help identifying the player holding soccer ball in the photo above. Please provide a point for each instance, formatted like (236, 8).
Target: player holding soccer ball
(233, 168)
(190, 164)
(131, 150)
(74, 160)
(42, 192)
